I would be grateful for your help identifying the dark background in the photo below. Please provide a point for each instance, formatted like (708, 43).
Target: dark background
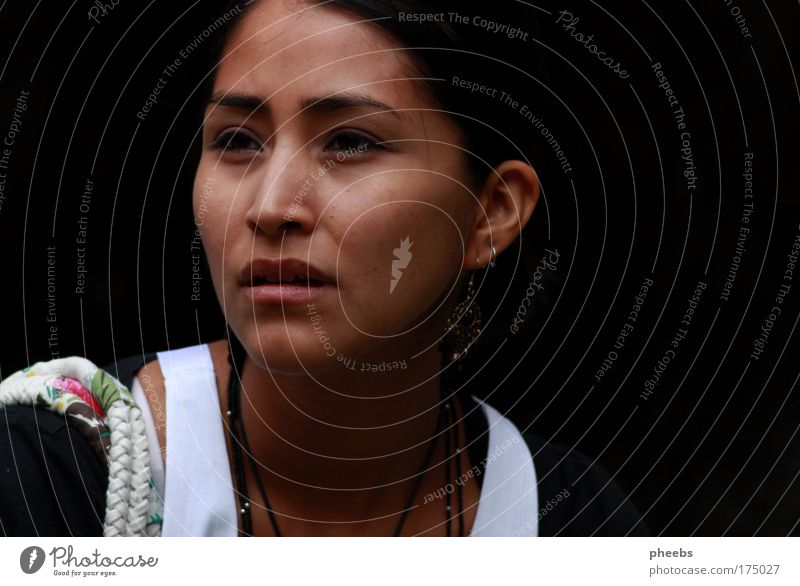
(712, 451)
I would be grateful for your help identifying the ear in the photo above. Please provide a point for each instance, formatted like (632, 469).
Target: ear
(506, 203)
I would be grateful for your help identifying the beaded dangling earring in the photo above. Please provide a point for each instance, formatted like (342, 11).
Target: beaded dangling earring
(464, 324)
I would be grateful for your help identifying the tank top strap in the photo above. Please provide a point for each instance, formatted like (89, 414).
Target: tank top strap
(509, 502)
(198, 494)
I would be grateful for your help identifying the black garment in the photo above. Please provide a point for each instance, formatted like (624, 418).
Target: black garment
(53, 485)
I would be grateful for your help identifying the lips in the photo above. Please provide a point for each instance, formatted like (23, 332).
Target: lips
(283, 272)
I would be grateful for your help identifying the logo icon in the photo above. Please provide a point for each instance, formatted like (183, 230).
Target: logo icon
(31, 559)
(402, 258)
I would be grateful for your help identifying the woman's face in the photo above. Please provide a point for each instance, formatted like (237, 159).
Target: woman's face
(318, 147)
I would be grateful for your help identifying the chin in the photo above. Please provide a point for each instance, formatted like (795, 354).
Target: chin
(300, 355)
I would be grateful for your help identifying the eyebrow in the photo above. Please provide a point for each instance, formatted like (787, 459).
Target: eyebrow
(326, 104)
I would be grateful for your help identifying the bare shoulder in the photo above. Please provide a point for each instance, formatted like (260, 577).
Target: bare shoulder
(151, 377)
(152, 380)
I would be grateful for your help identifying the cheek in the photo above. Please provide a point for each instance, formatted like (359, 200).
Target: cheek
(214, 219)
(397, 260)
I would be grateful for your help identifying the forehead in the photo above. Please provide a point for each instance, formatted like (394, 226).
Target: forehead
(289, 46)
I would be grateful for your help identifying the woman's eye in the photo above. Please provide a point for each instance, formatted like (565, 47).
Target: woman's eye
(352, 143)
(236, 140)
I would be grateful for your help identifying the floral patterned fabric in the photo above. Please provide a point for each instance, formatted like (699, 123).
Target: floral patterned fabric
(84, 393)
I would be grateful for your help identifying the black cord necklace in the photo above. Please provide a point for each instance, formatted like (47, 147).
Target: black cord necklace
(240, 443)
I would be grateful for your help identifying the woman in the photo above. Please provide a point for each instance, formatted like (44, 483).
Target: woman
(361, 176)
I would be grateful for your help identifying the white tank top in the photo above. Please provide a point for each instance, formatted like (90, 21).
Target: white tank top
(198, 493)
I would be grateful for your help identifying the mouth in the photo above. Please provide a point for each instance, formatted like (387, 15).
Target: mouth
(293, 282)
(283, 281)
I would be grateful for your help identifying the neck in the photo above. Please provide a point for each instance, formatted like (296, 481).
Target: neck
(355, 449)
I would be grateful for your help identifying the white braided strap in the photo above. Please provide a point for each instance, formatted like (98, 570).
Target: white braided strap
(132, 506)
(129, 472)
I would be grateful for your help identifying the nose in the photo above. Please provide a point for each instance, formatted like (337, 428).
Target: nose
(282, 200)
